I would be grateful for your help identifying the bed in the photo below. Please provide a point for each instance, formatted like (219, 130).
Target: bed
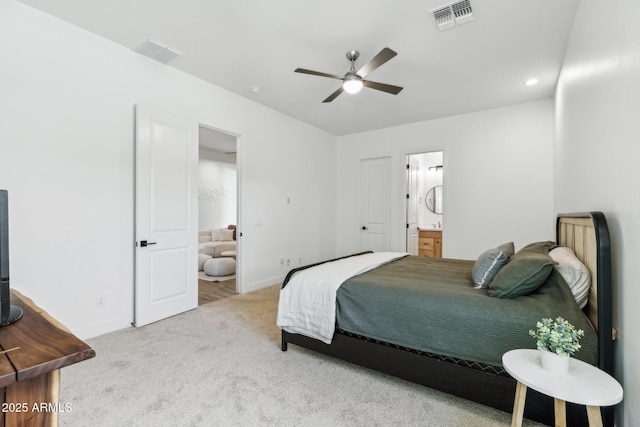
(471, 374)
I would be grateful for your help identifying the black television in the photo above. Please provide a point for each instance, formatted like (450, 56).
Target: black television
(8, 313)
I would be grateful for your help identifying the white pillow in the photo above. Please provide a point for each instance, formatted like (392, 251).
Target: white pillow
(215, 235)
(226, 235)
(574, 272)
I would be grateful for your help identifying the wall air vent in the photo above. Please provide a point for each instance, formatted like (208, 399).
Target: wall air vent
(448, 16)
(158, 51)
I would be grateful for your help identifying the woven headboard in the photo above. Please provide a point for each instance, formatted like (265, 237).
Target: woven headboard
(588, 235)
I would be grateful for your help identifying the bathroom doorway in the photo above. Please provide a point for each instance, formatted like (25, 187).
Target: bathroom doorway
(425, 197)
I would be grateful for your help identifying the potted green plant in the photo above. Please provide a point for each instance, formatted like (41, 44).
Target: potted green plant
(557, 339)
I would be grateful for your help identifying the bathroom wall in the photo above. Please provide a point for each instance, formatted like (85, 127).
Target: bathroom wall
(428, 177)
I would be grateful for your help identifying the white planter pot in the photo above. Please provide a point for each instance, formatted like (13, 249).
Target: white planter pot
(553, 363)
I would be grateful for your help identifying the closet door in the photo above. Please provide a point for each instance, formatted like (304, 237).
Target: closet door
(375, 206)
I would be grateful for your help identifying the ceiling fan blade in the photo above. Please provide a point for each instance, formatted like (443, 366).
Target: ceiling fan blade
(317, 73)
(383, 56)
(382, 86)
(334, 95)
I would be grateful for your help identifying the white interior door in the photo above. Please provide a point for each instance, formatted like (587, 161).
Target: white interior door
(166, 281)
(413, 168)
(375, 208)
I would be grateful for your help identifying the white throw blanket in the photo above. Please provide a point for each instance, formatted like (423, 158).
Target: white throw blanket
(308, 303)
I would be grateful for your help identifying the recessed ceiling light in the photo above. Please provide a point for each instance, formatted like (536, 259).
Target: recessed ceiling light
(531, 82)
(256, 89)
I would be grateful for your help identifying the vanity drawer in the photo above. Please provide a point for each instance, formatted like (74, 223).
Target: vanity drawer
(426, 243)
(430, 254)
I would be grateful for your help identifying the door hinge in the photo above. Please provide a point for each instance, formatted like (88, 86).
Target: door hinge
(408, 166)
(407, 196)
(407, 226)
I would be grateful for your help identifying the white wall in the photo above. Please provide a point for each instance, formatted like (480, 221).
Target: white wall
(498, 177)
(217, 192)
(596, 156)
(427, 179)
(66, 157)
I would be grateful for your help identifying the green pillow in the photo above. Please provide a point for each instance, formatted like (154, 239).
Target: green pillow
(538, 247)
(489, 263)
(524, 273)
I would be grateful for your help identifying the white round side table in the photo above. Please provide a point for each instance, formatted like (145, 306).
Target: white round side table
(584, 384)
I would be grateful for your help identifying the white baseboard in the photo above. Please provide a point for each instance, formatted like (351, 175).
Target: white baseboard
(92, 331)
(250, 287)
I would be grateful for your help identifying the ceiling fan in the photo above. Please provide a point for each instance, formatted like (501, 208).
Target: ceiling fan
(354, 80)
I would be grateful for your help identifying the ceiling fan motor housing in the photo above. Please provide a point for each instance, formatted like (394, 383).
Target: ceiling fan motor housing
(352, 55)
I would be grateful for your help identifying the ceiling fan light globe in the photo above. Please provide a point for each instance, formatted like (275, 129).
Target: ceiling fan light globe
(352, 85)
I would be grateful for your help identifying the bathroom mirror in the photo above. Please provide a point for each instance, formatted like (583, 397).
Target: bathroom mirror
(433, 199)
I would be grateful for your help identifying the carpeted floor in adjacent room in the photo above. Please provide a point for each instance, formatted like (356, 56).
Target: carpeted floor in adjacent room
(221, 365)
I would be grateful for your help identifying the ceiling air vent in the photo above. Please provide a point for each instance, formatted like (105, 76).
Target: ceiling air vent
(453, 14)
(158, 51)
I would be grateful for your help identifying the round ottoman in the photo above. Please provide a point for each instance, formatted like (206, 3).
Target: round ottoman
(202, 258)
(220, 267)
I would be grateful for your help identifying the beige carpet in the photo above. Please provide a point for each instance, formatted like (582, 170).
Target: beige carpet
(221, 365)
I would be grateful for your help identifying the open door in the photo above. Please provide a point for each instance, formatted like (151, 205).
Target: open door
(413, 168)
(166, 218)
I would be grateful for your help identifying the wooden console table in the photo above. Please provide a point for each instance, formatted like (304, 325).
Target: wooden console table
(33, 350)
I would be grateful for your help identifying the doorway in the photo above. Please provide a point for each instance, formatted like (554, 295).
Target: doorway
(424, 202)
(218, 248)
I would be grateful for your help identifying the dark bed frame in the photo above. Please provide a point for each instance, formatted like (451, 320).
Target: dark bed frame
(495, 389)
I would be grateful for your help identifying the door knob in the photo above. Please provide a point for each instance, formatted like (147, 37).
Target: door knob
(144, 243)
(364, 228)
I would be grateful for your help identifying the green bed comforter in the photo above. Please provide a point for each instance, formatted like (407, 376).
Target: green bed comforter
(429, 304)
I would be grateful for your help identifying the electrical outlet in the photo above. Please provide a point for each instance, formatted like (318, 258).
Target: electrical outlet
(100, 302)
(288, 262)
(281, 262)
(299, 261)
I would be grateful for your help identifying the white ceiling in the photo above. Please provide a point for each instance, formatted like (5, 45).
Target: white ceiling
(241, 44)
(217, 141)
